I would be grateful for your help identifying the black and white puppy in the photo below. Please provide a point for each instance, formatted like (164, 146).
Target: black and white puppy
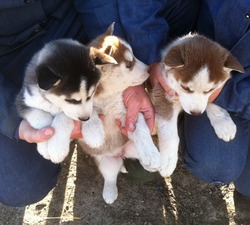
(58, 87)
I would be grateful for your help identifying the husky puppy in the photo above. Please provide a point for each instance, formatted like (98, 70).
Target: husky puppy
(108, 100)
(58, 87)
(195, 67)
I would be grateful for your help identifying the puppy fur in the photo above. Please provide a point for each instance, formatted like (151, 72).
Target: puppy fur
(195, 67)
(108, 100)
(59, 85)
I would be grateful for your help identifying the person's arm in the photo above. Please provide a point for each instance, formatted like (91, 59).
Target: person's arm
(9, 118)
(145, 27)
(235, 95)
(141, 23)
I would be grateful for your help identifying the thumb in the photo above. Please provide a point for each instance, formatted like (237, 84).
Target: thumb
(42, 135)
(31, 135)
(131, 117)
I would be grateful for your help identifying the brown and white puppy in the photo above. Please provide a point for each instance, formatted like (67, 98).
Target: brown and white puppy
(103, 139)
(195, 67)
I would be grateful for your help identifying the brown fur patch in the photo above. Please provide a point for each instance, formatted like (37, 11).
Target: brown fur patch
(114, 47)
(197, 51)
(163, 106)
(99, 89)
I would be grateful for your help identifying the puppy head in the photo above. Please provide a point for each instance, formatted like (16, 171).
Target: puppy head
(195, 68)
(129, 71)
(67, 76)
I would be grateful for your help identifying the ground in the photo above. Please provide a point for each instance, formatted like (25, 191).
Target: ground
(144, 199)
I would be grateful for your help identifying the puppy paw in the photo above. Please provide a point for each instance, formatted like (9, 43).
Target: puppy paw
(221, 121)
(110, 192)
(93, 132)
(151, 158)
(42, 149)
(57, 151)
(93, 138)
(58, 144)
(168, 166)
(225, 129)
(58, 148)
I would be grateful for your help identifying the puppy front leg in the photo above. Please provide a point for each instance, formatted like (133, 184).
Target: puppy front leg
(58, 144)
(39, 119)
(93, 131)
(221, 121)
(109, 167)
(168, 142)
(149, 155)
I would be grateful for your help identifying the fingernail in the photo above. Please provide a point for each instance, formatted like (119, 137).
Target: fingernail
(172, 93)
(48, 132)
(131, 126)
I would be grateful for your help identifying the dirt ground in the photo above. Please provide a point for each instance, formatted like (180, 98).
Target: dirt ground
(144, 199)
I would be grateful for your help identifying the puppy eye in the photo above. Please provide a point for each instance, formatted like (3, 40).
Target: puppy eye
(210, 90)
(88, 98)
(187, 89)
(73, 101)
(128, 64)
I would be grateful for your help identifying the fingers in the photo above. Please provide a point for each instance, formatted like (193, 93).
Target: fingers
(149, 116)
(122, 129)
(131, 116)
(157, 71)
(137, 100)
(77, 130)
(165, 86)
(215, 94)
(31, 135)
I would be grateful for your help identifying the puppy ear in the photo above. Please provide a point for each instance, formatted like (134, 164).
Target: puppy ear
(101, 58)
(97, 42)
(110, 30)
(232, 63)
(46, 78)
(108, 50)
(174, 57)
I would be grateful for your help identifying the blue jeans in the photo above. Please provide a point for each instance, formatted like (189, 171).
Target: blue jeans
(210, 158)
(26, 177)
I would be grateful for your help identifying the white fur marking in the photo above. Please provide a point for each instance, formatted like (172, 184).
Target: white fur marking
(128, 56)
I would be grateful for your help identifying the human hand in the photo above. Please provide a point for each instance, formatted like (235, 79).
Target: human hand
(156, 76)
(215, 94)
(77, 131)
(136, 100)
(32, 135)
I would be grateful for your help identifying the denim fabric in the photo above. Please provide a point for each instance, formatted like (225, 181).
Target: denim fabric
(210, 158)
(144, 24)
(26, 177)
(65, 22)
(231, 30)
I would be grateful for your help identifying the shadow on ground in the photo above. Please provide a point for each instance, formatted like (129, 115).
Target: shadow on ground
(144, 199)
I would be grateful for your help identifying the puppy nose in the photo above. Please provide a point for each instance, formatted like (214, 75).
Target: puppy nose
(195, 112)
(84, 118)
